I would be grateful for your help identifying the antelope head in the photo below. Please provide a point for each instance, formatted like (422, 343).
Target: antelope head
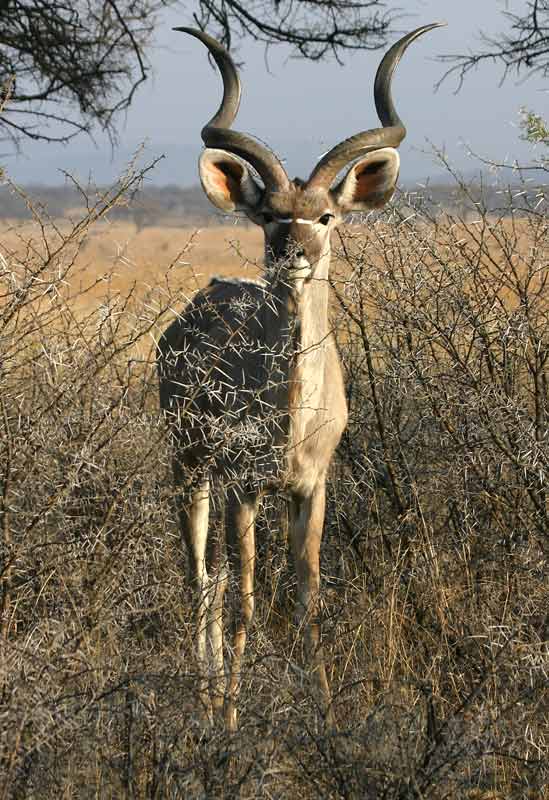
(298, 216)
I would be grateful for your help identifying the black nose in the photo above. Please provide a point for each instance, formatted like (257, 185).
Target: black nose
(300, 252)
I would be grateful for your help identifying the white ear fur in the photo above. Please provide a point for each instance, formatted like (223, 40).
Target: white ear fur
(370, 183)
(227, 181)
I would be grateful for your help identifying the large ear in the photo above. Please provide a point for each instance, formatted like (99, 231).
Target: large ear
(227, 181)
(370, 183)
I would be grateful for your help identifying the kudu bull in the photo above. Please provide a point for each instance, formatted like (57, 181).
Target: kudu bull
(250, 379)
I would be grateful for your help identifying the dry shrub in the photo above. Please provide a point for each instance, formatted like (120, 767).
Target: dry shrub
(440, 490)
(435, 558)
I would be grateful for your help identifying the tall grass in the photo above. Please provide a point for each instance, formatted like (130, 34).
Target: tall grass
(436, 548)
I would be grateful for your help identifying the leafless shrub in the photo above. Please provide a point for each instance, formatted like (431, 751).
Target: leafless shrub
(435, 560)
(441, 487)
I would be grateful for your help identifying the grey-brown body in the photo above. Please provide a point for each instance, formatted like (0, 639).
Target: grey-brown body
(255, 379)
(250, 379)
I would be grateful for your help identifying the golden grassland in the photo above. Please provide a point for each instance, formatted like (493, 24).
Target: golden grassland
(129, 257)
(116, 262)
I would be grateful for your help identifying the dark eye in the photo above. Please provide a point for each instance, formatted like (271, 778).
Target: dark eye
(325, 219)
(267, 218)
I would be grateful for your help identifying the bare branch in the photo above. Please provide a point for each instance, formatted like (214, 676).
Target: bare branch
(524, 49)
(74, 66)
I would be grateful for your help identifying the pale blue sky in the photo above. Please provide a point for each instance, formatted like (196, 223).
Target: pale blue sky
(302, 108)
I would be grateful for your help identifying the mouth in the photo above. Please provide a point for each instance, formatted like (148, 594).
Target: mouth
(299, 270)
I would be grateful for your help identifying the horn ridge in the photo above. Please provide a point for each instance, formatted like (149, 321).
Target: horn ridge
(382, 84)
(216, 133)
(227, 111)
(393, 131)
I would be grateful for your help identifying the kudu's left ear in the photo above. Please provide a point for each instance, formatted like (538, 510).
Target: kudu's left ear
(370, 183)
(227, 181)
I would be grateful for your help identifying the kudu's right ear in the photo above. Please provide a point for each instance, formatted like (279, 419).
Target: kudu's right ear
(227, 181)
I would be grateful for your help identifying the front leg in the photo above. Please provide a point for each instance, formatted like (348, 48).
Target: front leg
(306, 526)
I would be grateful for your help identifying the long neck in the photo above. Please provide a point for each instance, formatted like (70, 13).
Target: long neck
(297, 328)
(300, 308)
(311, 307)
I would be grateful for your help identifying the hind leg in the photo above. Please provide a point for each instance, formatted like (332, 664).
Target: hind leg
(218, 576)
(240, 530)
(193, 509)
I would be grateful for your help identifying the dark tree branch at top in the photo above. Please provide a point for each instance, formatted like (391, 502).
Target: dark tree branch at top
(315, 28)
(67, 67)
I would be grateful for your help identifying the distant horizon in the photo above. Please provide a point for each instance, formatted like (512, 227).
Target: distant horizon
(93, 169)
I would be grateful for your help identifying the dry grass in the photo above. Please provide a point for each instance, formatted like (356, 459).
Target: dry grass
(126, 256)
(137, 260)
(435, 558)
